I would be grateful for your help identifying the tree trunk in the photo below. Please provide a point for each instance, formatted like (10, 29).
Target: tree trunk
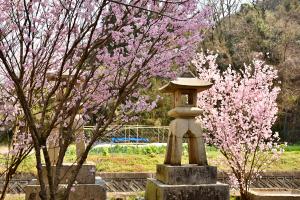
(244, 195)
(7, 180)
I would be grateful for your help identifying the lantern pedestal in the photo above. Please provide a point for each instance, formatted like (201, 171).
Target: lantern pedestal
(157, 190)
(186, 174)
(87, 185)
(187, 182)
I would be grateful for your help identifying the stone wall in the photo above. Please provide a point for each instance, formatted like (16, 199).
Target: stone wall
(133, 182)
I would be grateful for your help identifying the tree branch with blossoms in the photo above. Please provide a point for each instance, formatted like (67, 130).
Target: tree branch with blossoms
(64, 59)
(238, 113)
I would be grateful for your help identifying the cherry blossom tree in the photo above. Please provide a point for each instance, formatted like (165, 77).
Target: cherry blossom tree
(60, 59)
(238, 113)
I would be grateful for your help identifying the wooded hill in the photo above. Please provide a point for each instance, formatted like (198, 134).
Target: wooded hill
(269, 29)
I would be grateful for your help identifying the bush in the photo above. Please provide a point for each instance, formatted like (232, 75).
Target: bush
(125, 149)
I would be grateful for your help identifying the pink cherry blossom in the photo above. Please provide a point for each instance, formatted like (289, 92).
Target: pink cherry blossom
(62, 58)
(238, 113)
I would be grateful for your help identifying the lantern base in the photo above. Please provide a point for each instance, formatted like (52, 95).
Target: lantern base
(87, 185)
(191, 174)
(156, 190)
(79, 192)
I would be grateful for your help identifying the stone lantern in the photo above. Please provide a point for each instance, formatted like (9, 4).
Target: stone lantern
(53, 145)
(185, 110)
(196, 180)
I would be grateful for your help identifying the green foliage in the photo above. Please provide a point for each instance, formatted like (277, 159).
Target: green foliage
(71, 151)
(144, 159)
(136, 150)
(294, 147)
(125, 149)
(158, 116)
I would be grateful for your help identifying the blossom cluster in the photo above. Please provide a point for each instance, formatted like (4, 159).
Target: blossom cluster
(94, 58)
(238, 113)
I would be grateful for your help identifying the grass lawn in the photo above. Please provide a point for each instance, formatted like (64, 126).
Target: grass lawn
(15, 197)
(133, 159)
(147, 163)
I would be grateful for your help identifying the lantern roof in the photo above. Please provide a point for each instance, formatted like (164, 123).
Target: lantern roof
(186, 84)
(52, 75)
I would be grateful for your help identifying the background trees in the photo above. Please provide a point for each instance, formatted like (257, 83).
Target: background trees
(270, 29)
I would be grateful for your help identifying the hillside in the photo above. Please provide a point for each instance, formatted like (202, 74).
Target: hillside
(270, 29)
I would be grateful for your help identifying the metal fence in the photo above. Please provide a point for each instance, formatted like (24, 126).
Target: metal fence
(135, 133)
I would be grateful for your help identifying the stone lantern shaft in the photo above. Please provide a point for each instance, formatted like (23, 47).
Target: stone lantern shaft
(53, 144)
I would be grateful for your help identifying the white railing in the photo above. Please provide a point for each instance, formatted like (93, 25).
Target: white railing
(136, 133)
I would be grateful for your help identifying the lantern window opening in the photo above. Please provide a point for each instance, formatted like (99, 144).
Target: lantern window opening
(187, 99)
